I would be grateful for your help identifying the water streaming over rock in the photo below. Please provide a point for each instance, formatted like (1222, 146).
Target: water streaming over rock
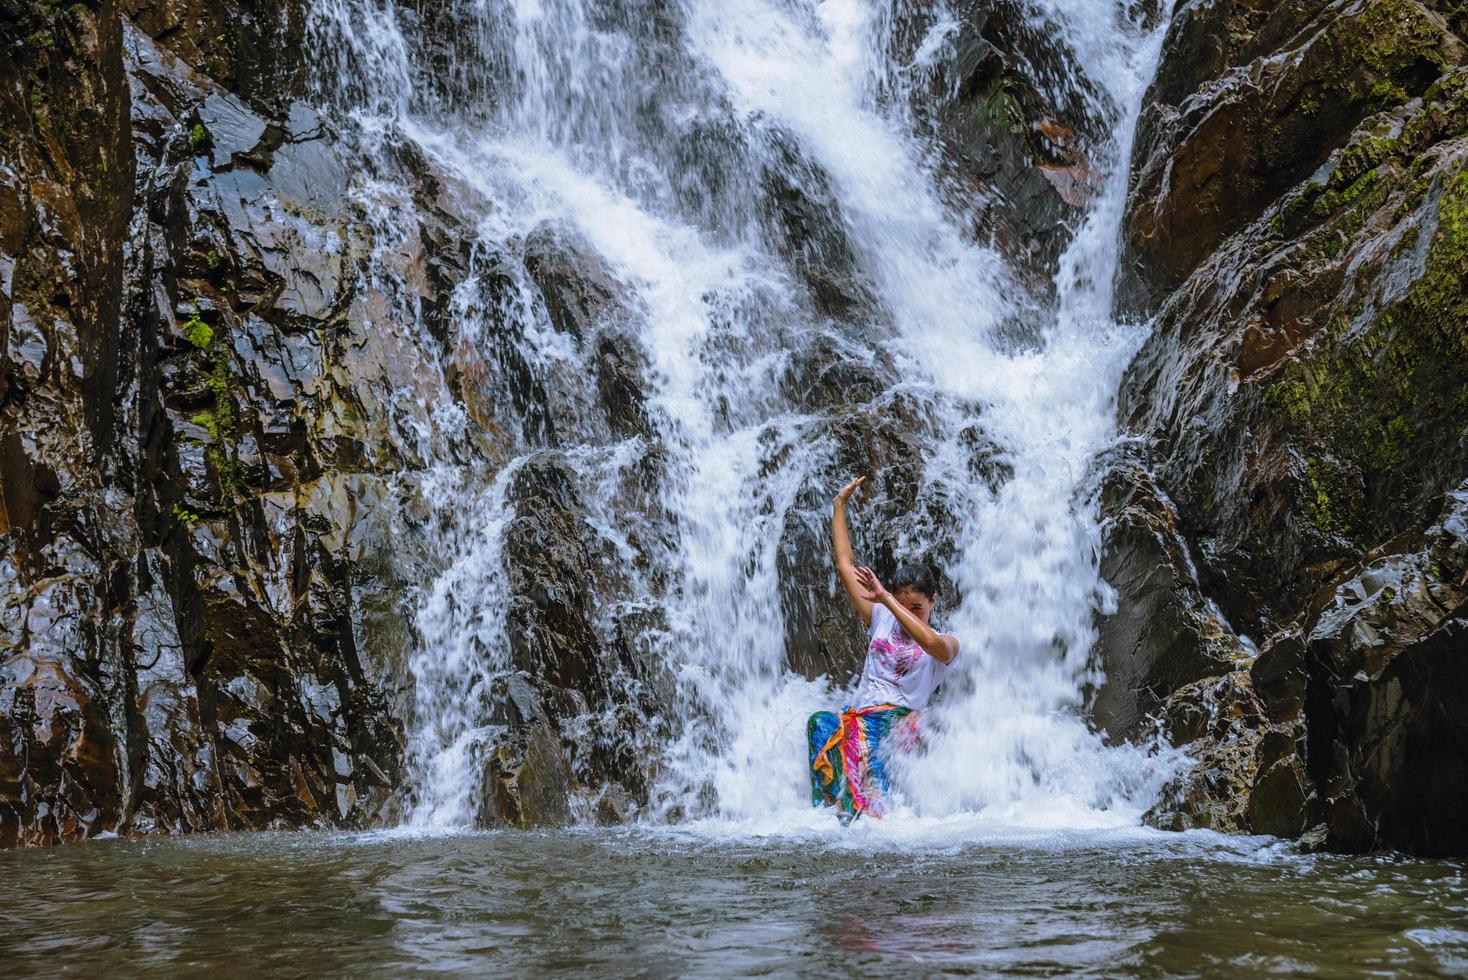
(710, 257)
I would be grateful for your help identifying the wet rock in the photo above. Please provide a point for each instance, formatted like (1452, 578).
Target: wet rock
(64, 542)
(806, 226)
(834, 372)
(252, 49)
(1295, 223)
(1218, 160)
(1162, 634)
(573, 664)
(1387, 697)
(171, 454)
(585, 301)
(1018, 123)
(1248, 776)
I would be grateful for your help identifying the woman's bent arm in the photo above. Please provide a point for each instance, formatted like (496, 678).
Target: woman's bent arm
(939, 646)
(841, 544)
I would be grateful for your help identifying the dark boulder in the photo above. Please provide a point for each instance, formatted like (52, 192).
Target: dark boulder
(1162, 634)
(1019, 124)
(1387, 698)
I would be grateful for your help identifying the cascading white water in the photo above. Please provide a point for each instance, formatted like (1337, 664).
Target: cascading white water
(581, 121)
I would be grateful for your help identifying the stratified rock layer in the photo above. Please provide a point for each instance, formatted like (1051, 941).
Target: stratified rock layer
(200, 623)
(1297, 226)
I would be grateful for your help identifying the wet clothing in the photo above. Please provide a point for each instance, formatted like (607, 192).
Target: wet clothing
(849, 750)
(897, 670)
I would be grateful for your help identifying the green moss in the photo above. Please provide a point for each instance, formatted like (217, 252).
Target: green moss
(1398, 34)
(199, 136)
(1364, 155)
(220, 420)
(198, 333)
(1318, 501)
(1369, 410)
(1335, 197)
(1385, 93)
(1392, 40)
(996, 109)
(209, 422)
(212, 259)
(1290, 399)
(184, 517)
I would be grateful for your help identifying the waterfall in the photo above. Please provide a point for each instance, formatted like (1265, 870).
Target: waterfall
(646, 136)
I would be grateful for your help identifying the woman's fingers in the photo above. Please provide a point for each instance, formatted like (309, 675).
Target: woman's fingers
(850, 488)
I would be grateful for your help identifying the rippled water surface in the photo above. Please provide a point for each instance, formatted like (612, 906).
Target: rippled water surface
(711, 902)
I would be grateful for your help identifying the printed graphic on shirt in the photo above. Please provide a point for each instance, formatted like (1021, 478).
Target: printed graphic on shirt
(897, 653)
(896, 671)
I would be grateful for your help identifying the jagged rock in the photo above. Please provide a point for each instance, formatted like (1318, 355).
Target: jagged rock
(805, 225)
(1248, 776)
(65, 543)
(252, 49)
(584, 300)
(1162, 635)
(1016, 116)
(572, 659)
(1335, 356)
(1387, 699)
(215, 578)
(1299, 399)
(1218, 160)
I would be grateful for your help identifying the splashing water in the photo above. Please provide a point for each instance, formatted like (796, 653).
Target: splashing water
(646, 132)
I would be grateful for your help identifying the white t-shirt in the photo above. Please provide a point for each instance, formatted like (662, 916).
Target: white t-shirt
(897, 670)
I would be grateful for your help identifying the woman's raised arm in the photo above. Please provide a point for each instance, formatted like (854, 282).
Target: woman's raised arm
(841, 544)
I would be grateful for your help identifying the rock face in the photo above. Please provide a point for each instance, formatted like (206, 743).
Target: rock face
(1296, 226)
(201, 629)
(1017, 116)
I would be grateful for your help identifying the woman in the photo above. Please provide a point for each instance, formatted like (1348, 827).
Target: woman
(906, 660)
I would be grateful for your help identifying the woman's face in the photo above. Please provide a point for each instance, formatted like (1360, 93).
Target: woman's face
(917, 603)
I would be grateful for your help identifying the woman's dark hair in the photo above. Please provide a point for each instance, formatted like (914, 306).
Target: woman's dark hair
(919, 577)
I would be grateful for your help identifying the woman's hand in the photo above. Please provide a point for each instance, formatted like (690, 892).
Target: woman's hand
(845, 492)
(871, 588)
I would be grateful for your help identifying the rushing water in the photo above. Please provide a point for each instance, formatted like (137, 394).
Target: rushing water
(646, 133)
(936, 898)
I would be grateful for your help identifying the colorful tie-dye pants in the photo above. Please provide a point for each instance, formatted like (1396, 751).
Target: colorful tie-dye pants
(848, 759)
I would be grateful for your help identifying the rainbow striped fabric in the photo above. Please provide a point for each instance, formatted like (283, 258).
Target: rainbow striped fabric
(848, 762)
